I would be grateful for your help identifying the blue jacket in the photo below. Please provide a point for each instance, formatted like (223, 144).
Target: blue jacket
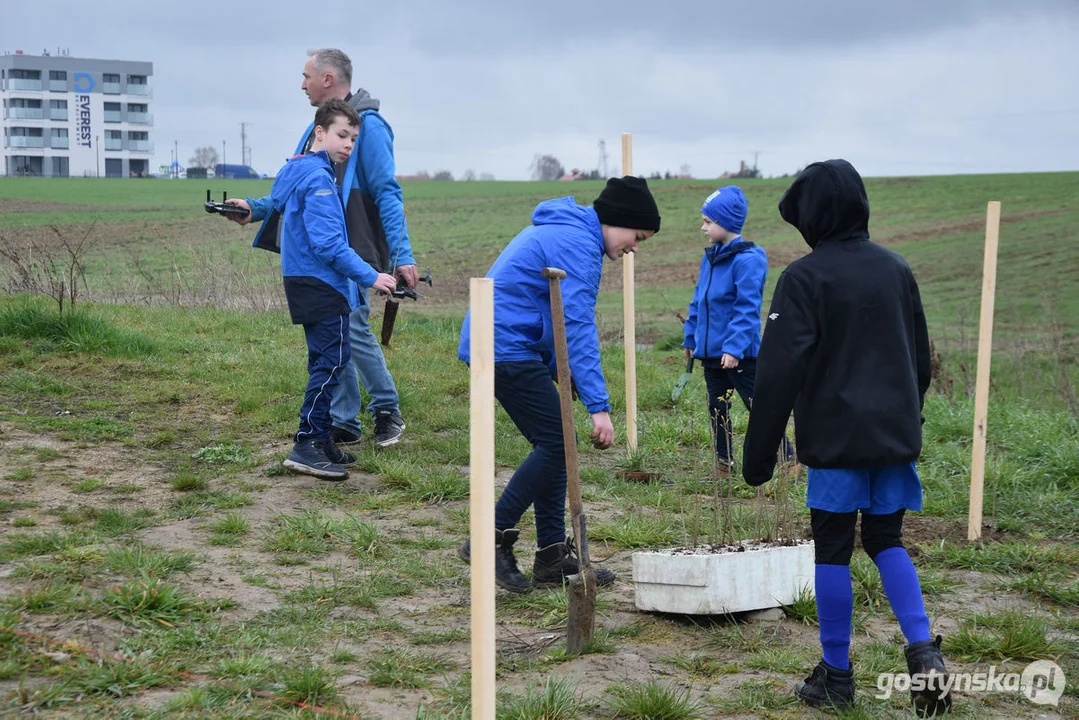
(370, 170)
(566, 235)
(725, 313)
(319, 268)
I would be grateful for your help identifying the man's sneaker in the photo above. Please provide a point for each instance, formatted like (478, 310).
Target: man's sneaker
(308, 457)
(926, 663)
(507, 575)
(341, 436)
(827, 687)
(338, 456)
(555, 563)
(388, 427)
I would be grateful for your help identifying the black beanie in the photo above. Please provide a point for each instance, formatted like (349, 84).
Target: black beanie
(626, 202)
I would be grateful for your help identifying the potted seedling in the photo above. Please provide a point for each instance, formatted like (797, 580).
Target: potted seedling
(741, 556)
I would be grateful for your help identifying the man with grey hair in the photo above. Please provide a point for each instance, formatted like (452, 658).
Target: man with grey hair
(375, 217)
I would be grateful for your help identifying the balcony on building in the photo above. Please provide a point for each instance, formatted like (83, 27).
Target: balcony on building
(135, 87)
(24, 113)
(140, 146)
(114, 143)
(113, 116)
(24, 141)
(110, 84)
(58, 80)
(59, 142)
(58, 113)
(24, 84)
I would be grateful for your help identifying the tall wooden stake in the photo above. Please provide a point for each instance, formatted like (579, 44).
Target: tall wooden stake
(985, 354)
(481, 497)
(629, 313)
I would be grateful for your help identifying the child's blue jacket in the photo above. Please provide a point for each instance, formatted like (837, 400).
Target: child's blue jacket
(319, 268)
(566, 235)
(725, 313)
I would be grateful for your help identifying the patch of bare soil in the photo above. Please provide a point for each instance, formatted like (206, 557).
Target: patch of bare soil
(645, 643)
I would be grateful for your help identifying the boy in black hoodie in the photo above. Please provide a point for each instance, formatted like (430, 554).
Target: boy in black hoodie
(846, 346)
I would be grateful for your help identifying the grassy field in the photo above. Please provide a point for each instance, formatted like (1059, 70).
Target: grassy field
(144, 512)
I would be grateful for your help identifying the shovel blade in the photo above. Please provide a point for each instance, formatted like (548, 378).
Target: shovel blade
(581, 625)
(683, 380)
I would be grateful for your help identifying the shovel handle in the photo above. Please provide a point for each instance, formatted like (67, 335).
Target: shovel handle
(689, 364)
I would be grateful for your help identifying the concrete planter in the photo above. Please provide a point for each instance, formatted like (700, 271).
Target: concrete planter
(715, 580)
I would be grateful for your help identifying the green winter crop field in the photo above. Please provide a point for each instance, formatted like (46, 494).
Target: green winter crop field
(144, 513)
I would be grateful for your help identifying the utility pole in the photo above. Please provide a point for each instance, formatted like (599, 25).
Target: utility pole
(224, 156)
(602, 160)
(756, 153)
(176, 168)
(243, 143)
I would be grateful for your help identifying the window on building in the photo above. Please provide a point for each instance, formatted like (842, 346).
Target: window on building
(110, 78)
(58, 75)
(136, 80)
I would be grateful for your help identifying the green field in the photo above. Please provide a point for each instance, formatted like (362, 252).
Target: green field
(144, 511)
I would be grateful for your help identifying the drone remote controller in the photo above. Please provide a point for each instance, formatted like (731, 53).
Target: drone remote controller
(223, 207)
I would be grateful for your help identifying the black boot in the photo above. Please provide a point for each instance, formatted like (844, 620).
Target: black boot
(555, 563)
(925, 663)
(507, 575)
(827, 687)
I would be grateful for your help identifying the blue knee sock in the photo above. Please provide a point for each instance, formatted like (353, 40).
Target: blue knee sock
(900, 581)
(835, 609)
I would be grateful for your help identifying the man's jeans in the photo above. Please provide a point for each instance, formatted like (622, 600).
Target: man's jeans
(327, 357)
(368, 366)
(529, 396)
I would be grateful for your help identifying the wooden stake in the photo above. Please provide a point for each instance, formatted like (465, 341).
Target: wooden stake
(985, 354)
(581, 618)
(629, 315)
(481, 497)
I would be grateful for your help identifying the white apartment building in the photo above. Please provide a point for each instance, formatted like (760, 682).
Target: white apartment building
(75, 117)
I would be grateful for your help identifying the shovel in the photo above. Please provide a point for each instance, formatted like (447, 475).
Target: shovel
(683, 380)
(581, 588)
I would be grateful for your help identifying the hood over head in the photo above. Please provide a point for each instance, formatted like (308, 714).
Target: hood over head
(827, 201)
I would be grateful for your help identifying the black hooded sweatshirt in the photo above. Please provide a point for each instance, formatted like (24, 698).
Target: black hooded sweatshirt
(845, 344)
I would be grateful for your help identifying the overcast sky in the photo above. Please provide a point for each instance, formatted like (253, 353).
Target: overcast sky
(899, 88)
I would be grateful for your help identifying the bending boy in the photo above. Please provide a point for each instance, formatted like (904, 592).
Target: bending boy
(566, 235)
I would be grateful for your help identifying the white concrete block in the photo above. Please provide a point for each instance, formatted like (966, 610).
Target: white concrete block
(718, 580)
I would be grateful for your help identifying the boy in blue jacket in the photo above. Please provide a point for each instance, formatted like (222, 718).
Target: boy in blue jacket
(724, 326)
(566, 235)
(320, 271)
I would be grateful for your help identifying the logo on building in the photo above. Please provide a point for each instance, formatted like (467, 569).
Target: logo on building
(82, 121)
(84, 82)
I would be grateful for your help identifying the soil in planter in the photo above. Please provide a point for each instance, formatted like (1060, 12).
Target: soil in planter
(744, 546)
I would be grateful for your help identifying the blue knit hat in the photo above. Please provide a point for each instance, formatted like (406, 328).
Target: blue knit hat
(727, 207)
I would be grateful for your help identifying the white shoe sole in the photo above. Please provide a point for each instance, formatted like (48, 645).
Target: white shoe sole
(391, 441)
(316, 472)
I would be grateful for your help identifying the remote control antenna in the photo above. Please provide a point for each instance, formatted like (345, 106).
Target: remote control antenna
(208, 197)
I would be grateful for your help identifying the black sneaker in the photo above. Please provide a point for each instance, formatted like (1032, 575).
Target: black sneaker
(388, 427)
(507, 575)
(308, 457)
(555, 563)
(827, 687)
(341, 436)
(338, 456)
(925, 663)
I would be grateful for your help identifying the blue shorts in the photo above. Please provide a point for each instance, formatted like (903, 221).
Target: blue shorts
(877, 491)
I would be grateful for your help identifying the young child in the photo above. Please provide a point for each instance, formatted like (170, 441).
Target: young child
(723, 330)
(846, 347)
(566, 235)
(320, 272)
